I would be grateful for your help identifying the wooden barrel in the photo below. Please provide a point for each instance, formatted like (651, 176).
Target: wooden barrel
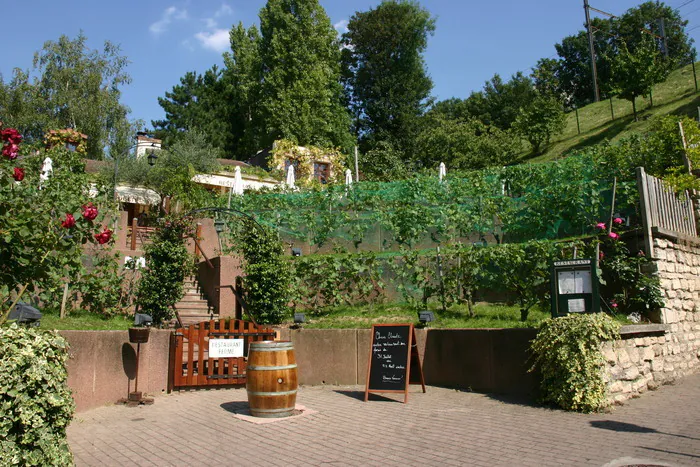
(271, 379)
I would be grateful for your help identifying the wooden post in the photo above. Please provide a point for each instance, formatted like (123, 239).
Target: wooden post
(63, 301)
(686, 161)
(646, 214)
(612, 205)
(612, 112)
(134, 232)
(578, 124)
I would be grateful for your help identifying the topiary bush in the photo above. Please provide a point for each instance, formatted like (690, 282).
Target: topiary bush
(167, 264)
(35, 402)
(567, 353)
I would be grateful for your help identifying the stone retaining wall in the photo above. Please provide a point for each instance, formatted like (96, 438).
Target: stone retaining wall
(652, 355)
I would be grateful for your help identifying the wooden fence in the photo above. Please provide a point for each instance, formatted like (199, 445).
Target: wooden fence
(663, 210)
(191, 364)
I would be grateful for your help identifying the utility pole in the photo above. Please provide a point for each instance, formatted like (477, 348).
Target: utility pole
(662, 30)
(591, 47)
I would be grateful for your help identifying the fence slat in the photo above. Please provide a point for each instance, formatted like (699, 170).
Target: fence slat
(661, 207)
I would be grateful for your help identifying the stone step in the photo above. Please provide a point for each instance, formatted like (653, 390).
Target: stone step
(202, 305)
(193, 297)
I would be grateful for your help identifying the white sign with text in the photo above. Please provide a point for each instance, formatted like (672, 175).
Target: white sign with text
(225, 348)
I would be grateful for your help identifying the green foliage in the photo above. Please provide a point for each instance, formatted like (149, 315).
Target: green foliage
(35, 248)
(74, 87)
(102, 289)
(517, 203)
(331, 280)
(540, 120)
(301, 95)
(167, 264)
(463, 144)
(385, 76)
(573, 67)
(171, 176)
(567, 353)
(267, 273)
(634, 73)
(35, 402)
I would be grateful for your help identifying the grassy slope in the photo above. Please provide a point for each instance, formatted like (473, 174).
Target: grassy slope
(675, 96)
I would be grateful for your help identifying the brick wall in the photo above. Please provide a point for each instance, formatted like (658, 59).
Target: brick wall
(650, 355)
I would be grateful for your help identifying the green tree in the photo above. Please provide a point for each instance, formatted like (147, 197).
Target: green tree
(171, 176)
(540, 120)
(301, 93)
(385, 74)
(198, 102)
(73, 87)
(635, 72)
(242, 75)
(463, 144)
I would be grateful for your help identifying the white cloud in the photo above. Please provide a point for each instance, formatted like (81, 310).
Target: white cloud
(213, 37)
(341, 26)
(224, 10)
(169, 15)
(216, 40)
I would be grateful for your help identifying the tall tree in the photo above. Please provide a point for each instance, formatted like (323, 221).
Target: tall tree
(197, 102)
(301, 93)
(634, 73)
(243, 76)
(72, 87)
(386, 77)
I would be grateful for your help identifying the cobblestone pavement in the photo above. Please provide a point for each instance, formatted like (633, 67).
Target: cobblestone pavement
(441, 427)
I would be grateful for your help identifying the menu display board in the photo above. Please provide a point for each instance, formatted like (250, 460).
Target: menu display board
(392, 355)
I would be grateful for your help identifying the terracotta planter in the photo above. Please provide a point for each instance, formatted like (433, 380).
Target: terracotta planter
(139, 335)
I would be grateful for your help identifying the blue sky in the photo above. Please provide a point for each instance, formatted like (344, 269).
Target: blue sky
(163, 39)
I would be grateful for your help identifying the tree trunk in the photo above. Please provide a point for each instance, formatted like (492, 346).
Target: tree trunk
(523, 314)
(634, 109)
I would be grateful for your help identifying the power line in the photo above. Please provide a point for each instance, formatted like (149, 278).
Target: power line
(686, 3)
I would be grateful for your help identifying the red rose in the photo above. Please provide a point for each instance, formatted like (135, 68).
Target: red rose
(69, 222)
(104, 236)
(11, 135)
(10, 151)
(89, 212)
(19, 174)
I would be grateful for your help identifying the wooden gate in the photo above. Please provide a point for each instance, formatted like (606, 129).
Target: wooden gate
(190, 359)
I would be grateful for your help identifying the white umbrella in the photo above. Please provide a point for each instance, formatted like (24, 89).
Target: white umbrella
(442, 171)
(290, 176)
(237, 181)
(348, 177)
(46, 171)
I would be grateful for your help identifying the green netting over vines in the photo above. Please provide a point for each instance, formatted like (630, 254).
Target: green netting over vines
(511, 204)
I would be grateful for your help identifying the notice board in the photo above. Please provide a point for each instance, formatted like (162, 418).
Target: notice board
(394, 362)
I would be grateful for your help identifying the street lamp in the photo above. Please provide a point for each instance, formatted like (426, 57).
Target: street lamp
(152, 158)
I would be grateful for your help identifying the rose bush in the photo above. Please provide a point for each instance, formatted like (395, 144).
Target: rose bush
(42, 234)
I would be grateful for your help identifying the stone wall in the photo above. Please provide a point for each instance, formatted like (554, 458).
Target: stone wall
(651, 355)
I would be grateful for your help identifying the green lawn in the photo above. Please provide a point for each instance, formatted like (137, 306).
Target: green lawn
(487, 316)
(82, 320)
(675, 96)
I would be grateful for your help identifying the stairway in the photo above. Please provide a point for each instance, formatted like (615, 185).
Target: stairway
(194, 308)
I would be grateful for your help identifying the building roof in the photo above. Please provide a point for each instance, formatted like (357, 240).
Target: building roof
(148, 139)
(233, 163)
(93, 166)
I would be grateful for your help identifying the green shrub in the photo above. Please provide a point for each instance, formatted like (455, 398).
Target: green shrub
(167, 264)
(567, 353)
(35, 401)
(267, 272)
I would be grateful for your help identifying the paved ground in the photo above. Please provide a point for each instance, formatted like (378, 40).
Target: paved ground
(441, 427)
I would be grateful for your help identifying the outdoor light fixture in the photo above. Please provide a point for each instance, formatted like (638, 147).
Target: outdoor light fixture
(152, 158)
(296, 251)
(219, 226)
(142, 319)
(426, 317)
(299, 319)
(25, 314)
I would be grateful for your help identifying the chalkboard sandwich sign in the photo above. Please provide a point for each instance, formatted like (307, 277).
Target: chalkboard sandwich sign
(394, 362)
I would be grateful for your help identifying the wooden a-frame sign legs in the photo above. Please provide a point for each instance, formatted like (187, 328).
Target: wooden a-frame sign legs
(394, 362)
